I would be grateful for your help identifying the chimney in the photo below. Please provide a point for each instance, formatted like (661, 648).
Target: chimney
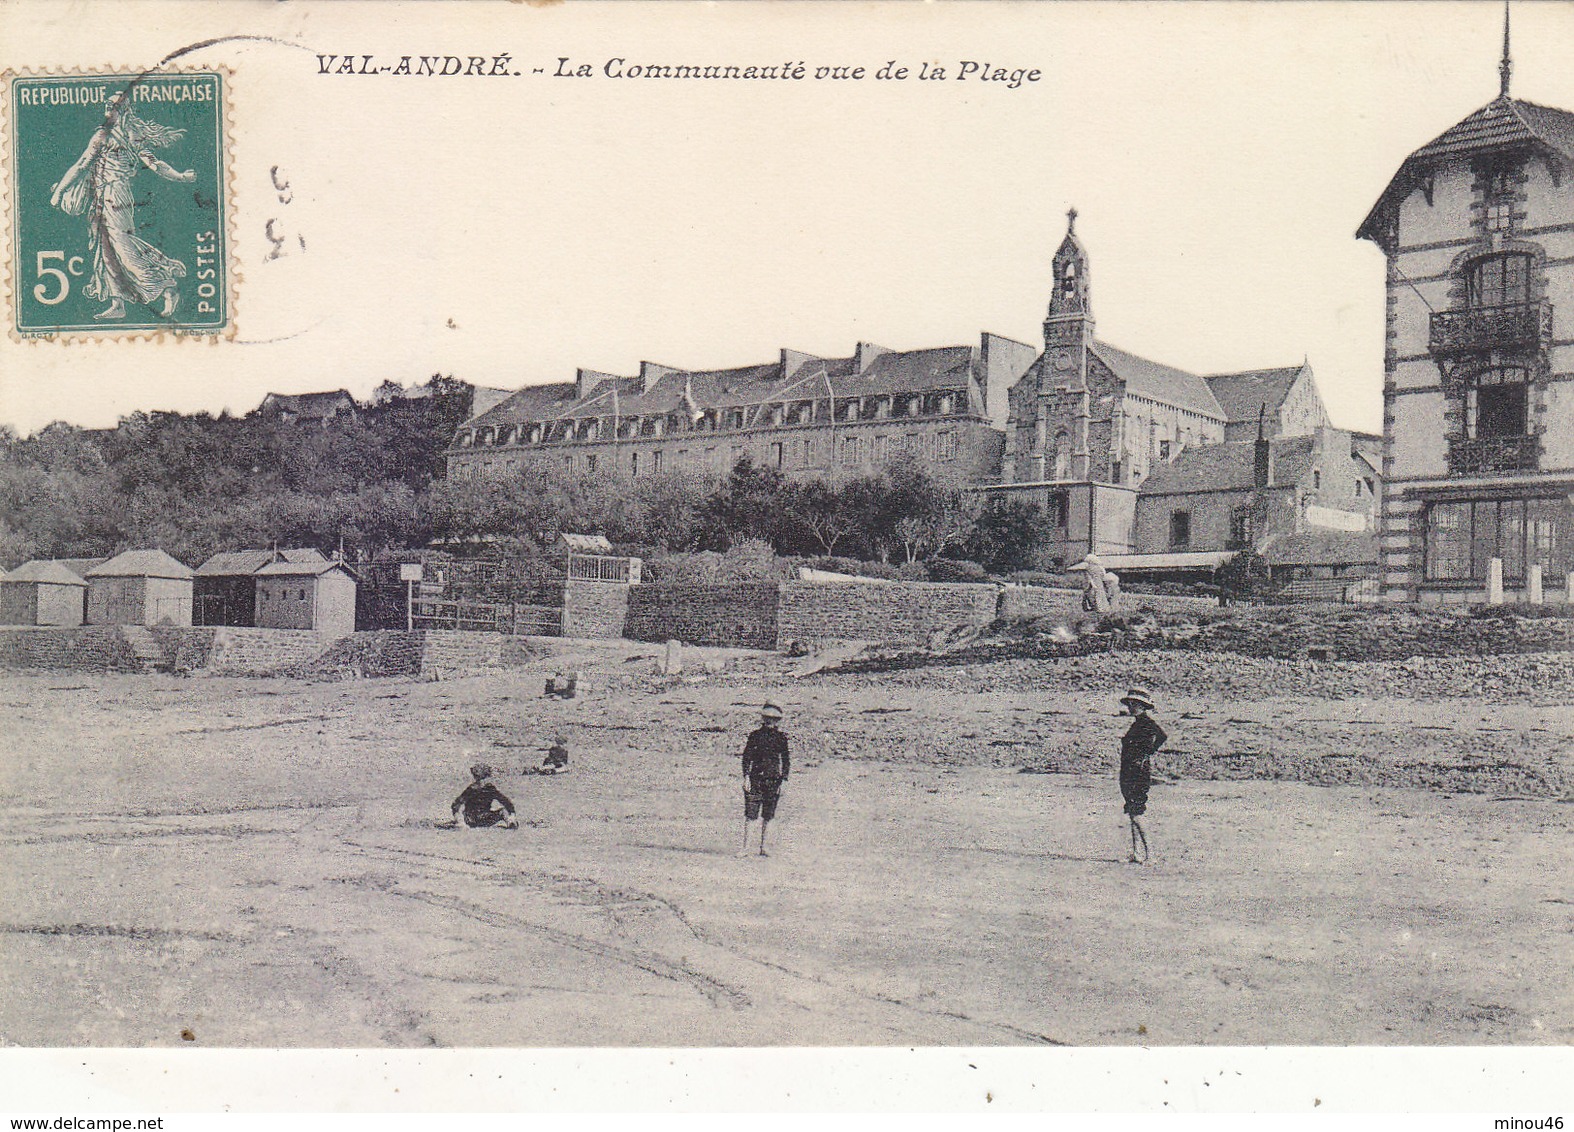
(794, 360)
(650, 373)
(1262, 474)
(865, 355)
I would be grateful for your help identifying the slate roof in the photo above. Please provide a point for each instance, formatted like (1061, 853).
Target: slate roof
(1159, 382)
(1229, 467)
(1501, 124)
(238, 563)
(1504, 122)
(141, 564)
(1241, 395)
(300, 569)
(80, 566)
(896, 371)
(43, 570)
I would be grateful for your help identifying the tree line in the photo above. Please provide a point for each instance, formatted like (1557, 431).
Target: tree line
(372, 484)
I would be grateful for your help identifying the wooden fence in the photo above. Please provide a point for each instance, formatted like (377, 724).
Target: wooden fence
(489, 617)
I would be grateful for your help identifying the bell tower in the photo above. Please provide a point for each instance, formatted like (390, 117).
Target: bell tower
(1070, 320)
(1064, 401)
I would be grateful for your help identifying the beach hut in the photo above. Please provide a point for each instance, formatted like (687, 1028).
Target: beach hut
(42, 592)
(139, 587)
(306, 595)
(225, 588)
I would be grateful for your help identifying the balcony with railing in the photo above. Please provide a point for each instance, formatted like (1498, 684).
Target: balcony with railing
(1493, 454)
(1524, 326)
(604, 568)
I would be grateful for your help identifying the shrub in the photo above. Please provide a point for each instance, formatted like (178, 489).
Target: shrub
(750, 560)
(956, 570)
(684, 569)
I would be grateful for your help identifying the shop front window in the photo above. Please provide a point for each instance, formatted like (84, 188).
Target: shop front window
(1463, 537)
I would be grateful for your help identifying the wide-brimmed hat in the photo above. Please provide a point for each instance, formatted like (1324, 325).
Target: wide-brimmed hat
(1138, 696)
(771, 711)
(480, 770)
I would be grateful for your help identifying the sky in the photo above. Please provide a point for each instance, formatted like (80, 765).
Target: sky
(509, 229)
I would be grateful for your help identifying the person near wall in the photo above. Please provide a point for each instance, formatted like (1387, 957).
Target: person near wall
(1094, 597)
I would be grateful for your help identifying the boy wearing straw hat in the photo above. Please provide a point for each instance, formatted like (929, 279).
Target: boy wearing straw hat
(1137, 747)
(765, 767)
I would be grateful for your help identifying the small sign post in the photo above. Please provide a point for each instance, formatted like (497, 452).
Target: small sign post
(409, 574)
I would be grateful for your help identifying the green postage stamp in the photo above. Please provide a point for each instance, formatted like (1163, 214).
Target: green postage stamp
(118, 196)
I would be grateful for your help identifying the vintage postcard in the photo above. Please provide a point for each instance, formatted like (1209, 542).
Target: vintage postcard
(1000, 555)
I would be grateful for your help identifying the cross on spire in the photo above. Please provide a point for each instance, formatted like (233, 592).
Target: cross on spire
(1071, 221)
(1505, 69)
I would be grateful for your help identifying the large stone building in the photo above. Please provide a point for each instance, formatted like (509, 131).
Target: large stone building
(1076, 429)
(1478, 391)
(941, 409)
(1090, 423)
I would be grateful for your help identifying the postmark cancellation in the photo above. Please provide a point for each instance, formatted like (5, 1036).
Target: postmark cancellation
(118, 201)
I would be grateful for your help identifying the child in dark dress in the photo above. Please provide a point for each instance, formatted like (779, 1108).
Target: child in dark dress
(1137, 748)
(483, 804)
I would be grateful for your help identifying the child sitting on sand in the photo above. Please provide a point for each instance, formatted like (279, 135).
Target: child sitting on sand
(482, 803)
(556, 761)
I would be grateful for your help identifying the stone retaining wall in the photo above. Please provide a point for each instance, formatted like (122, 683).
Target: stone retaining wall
(595, 609)
(241, 650)
(1021, 603)
(448, 652)
(90, 648)
(742, 615)
(889, 612)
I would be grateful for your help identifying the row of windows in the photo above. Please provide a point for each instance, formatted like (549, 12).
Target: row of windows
(284, 595)
(804, 452)
(798, 452)
(1461, 538)
(848, 409)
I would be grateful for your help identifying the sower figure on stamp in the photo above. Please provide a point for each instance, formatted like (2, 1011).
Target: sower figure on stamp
(99, 183)
(1137, 747)
(482, 803)
(765, 768)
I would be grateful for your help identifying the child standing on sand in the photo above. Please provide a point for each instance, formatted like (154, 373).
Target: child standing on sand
(1137, 747)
